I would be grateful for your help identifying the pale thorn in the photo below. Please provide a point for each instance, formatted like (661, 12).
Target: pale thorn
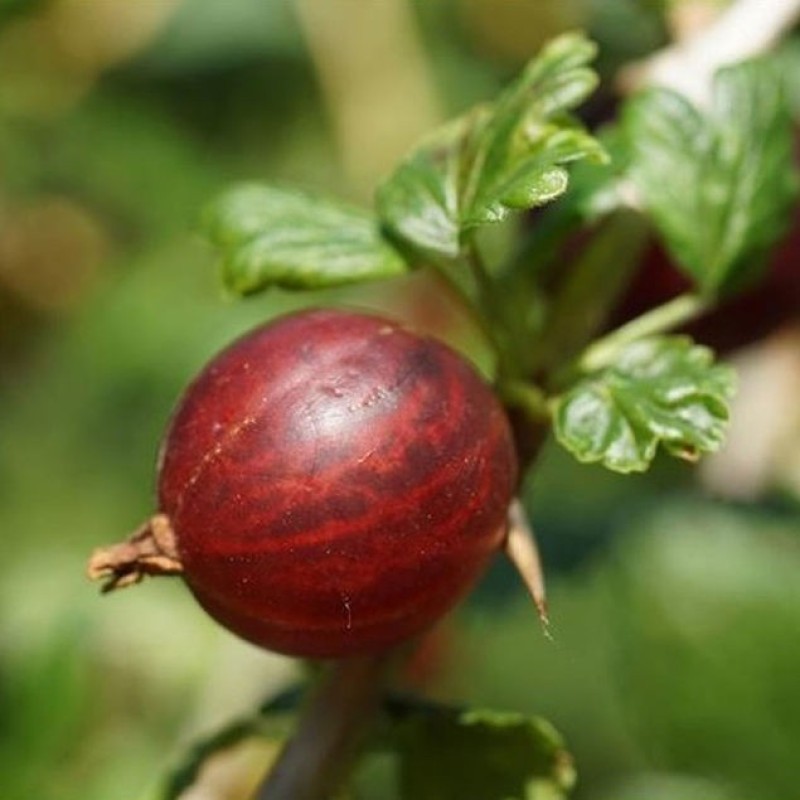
(523, 552)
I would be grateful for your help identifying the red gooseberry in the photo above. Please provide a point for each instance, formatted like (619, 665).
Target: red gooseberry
(330, 485)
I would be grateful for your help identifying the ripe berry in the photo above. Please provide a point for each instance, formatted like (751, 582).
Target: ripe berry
(748, 316)
(335, 483)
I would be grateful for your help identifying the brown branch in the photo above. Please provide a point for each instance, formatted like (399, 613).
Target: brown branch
(320, 754)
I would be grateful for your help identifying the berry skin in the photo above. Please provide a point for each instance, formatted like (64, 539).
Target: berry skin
(335, 483)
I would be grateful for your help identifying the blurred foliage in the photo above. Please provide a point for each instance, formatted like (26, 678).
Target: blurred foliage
(673, 673)
(673, 663)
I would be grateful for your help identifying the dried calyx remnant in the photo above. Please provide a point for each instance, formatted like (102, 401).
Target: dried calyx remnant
(150, 550)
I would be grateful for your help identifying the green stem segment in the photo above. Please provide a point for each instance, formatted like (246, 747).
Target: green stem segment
(492, 306)
(527, 397)
(669, 316)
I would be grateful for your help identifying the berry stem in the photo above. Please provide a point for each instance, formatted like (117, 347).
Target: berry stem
(491, 308)
(320, 754)
(669, 316)
(584, 298)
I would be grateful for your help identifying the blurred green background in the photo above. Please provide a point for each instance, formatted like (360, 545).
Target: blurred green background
(675, 670)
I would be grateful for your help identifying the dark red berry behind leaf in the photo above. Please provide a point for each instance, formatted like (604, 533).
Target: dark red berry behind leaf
(335, 483)
(748, 316)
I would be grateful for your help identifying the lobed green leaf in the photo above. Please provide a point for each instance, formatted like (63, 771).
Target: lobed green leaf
(505, 156)
(659, 391)
(486, 754)
(269, 236)
(719, 185)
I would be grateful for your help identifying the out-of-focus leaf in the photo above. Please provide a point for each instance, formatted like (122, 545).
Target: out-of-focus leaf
(265, 724)
(278, 237)
(9, 8)
(719, 185)
(189, 770)
(507, 155)
(663, 390)
(204, 34)
(706, 598)
(596, 189)
(788, 62)
(461, 755)
(44, 697)
(669, 786)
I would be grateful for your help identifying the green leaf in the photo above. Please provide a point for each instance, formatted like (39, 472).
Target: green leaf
(719, 185)
(267, 724)
(662, 390)
(504, 156)
(277, 237)
(9, 8)
(788, 62)
(458, 755)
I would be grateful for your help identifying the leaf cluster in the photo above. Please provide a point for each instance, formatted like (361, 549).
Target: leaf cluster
(717, 185)
(502, 156)
(505, 156)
